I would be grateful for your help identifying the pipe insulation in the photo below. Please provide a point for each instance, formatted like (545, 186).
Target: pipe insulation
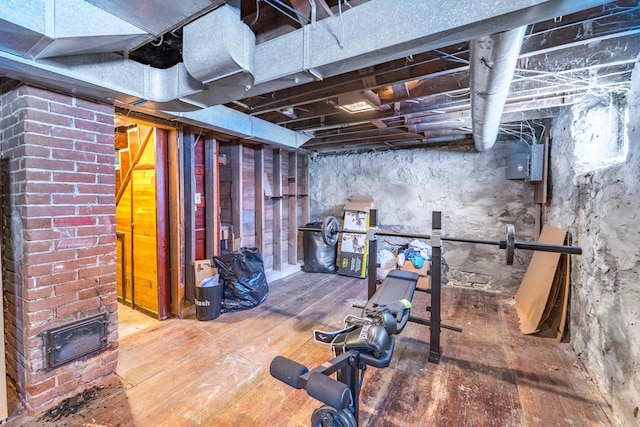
(493, 60)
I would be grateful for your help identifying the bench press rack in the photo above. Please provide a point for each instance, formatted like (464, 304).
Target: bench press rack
(369, 340)
(434, 322)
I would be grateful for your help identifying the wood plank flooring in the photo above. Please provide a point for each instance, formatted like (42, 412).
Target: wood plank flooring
(192, 373)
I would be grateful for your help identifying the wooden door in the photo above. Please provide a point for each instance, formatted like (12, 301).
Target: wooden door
(141, 226)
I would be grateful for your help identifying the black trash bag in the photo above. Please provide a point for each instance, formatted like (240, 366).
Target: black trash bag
(242, 275)
(318, 256)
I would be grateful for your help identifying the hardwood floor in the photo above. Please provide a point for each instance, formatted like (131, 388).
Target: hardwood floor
(216, 373)
(131, 321)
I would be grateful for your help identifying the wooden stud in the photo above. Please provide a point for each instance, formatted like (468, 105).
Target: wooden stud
(162, 222)
(293, 209)
(259, 180)
(236, 195)
(304, 188)
(189, 140)
(212, 202)
(134, 162)
(277, 209)
(176, 203)
(540, 187)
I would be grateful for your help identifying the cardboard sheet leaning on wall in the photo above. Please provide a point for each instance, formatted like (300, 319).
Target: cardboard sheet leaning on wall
(536, 296)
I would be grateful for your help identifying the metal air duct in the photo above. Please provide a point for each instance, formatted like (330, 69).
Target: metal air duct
(492, 62)
(219, 45)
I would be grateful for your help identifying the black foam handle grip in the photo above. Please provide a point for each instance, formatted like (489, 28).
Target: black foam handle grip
(287, 371)
(328, 391)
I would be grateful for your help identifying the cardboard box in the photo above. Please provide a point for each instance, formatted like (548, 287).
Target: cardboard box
(424, 281)
(203, 269)
(353, 250)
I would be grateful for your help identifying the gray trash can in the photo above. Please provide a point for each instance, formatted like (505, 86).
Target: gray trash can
(208, 298)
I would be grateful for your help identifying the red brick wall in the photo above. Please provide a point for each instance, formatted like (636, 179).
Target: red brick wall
(59, 246)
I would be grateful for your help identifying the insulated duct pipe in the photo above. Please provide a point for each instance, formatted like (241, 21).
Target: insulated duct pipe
(492, 63)
(219, 45)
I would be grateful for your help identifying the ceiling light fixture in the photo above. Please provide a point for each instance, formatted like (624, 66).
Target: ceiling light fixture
(354, 103)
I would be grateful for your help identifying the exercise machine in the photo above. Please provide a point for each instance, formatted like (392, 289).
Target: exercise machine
(369, 340)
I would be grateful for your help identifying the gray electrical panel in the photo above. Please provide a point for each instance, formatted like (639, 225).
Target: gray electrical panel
(526, 165)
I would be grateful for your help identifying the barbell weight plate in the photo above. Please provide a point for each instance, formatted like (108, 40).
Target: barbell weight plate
(511, 243)
(329, 416)
(330, 230)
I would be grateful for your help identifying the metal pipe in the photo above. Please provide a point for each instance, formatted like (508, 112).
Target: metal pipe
(493, 60)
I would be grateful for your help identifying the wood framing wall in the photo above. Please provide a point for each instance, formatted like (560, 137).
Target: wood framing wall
(200, 201)
(264, 199)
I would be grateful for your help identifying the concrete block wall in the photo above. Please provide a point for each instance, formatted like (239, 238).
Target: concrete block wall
(59, 248)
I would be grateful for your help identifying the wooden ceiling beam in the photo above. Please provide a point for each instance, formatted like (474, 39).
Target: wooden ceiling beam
(304, 8)
(384, 74)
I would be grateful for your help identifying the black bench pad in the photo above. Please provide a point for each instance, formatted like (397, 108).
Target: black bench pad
(397, 286)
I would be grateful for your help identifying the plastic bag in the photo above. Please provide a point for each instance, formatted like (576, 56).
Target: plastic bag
(318, 256)
(386, 263)
(243, 278)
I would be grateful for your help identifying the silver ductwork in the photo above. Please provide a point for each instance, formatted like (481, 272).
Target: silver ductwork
(359, 37)
(43, 29)
(240, 125)
(492, 61)
(363, 36)
(219, 45)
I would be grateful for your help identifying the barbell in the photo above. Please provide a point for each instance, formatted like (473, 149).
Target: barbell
(331, 228)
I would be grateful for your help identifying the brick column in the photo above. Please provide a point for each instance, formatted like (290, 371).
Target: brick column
(58, 234)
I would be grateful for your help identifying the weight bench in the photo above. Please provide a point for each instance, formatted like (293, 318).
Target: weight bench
(364, 341)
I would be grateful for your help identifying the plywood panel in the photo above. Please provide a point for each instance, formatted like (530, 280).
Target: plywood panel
(145, 265)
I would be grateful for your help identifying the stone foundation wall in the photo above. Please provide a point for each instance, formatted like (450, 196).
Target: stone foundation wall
(468, 187)
(598, 196)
